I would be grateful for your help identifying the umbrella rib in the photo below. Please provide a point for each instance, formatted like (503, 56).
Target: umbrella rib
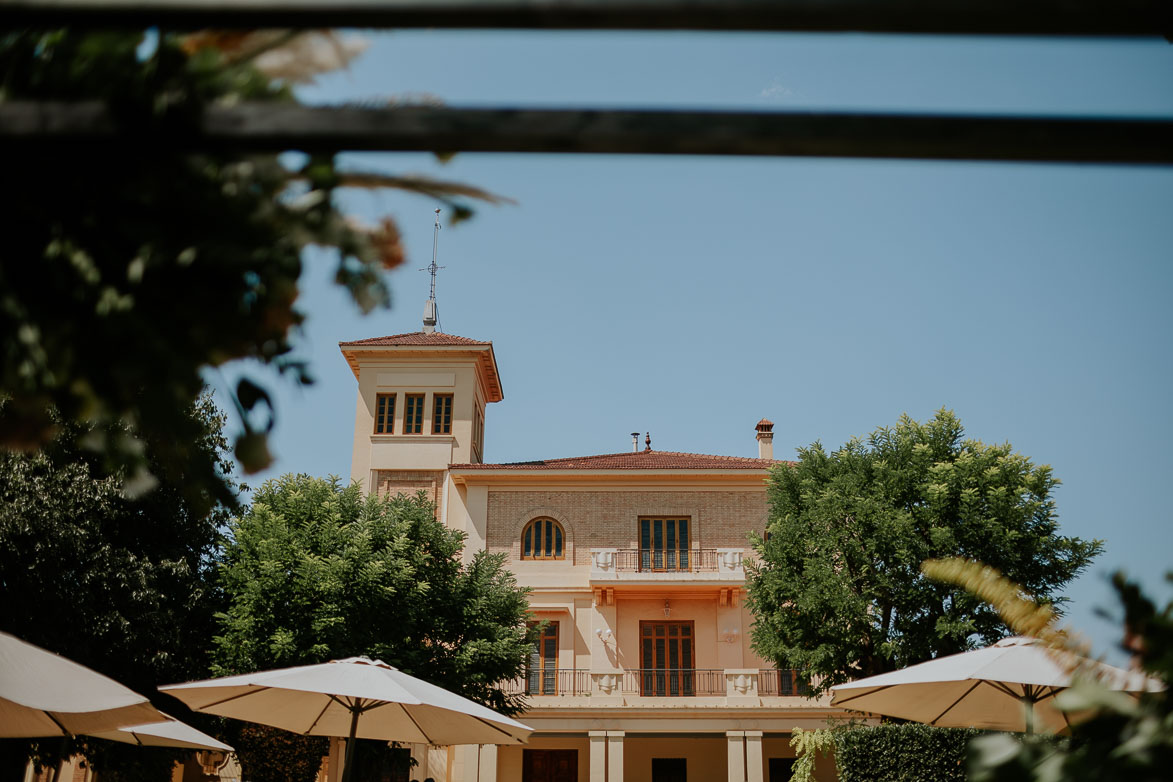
(64, 732)
(235, 697)
(316, 719)
(494, 727)
(864, 695)
(1003, 688)
(954, 703)
(423, 733)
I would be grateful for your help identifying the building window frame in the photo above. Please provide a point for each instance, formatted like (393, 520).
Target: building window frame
(543, 538)
(413, 413)
(478, 435)
(667, 657)
(442, 413)
(385, 413)
(665, 543)
(541, 676)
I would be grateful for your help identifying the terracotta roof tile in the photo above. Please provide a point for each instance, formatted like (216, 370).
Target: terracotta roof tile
(415, 338)
(643, 460)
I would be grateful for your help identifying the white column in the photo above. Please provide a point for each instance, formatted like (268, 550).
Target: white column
(489, 764)
(598, 739)
(753, 756)
(614, 756)
(334, 764)
(736, 754)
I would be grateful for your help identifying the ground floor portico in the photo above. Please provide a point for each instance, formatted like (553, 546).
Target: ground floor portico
(657, 744)
(619, 756)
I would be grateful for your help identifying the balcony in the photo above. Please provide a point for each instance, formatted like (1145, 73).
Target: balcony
(674, 682)
(782, 681)
(734, 686)
(658, 565)
(562, 681)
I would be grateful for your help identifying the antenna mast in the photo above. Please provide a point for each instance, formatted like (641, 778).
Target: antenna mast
(431, 316)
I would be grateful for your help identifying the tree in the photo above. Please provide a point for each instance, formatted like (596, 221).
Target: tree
(316, 571)
(129, 271)
(838, 592)
(124, 586)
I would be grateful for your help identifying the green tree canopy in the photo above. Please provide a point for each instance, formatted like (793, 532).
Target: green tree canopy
(124, 586)
(316, 571)
(838, 592)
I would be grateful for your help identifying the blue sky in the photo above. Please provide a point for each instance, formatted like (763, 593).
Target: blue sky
(690, 297)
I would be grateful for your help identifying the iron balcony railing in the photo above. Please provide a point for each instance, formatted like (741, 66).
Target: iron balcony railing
(665, 560)
(559, 681)
(674, 682)
(782, 681)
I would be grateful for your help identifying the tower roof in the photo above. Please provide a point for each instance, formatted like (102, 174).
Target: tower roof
(423, 344)
(415, 338)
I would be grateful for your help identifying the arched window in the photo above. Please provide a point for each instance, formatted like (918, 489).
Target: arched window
(542, 539)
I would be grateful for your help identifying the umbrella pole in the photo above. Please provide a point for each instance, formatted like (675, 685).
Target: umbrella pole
(346, 764)
(1028, 705)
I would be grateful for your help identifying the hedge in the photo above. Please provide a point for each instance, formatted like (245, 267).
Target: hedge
(902, 753)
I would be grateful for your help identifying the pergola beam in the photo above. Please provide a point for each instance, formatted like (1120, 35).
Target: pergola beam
(277, 127)
(1007, 17)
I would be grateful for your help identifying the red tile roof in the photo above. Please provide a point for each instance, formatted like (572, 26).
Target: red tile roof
(415, 338)
(643, 460)
(418, 341)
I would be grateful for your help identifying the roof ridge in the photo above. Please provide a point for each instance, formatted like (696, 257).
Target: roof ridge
(648, 460)
(416, 338)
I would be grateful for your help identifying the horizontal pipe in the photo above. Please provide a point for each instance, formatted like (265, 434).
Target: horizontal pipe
(278, 127)
(1003, 17)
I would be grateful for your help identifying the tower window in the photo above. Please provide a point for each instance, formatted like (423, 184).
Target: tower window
(542, 539)
(442, 414)
(413, 414)
(478, 436)
(384, 413)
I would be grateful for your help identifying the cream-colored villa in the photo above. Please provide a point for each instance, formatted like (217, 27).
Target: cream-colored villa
(644, 671)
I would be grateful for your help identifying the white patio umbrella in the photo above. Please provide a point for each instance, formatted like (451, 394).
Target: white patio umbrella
(43, 694)
(1008, 686)
(355, 697)
(170, 733)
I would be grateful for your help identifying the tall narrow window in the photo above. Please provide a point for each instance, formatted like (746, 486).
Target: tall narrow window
(413, 414)
(478, 436)
(542, 539)
(384, 413)
(666, 658)
(442, 414)
(663, 544)
(542, 674)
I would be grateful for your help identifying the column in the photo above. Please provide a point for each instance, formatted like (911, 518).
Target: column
(614, 756)
(736, 755)
(753, 756)
(489, 764)
(598, 740)
(334, 764)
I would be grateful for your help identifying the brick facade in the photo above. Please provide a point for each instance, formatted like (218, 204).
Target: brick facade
(598, 519)
(389, 483)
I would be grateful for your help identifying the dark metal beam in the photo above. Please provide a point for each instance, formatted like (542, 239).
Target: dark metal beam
(1011, 17)
(274, 127)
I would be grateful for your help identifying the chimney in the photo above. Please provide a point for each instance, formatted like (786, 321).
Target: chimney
(430, 316)
(765, 438)
(635, 442)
